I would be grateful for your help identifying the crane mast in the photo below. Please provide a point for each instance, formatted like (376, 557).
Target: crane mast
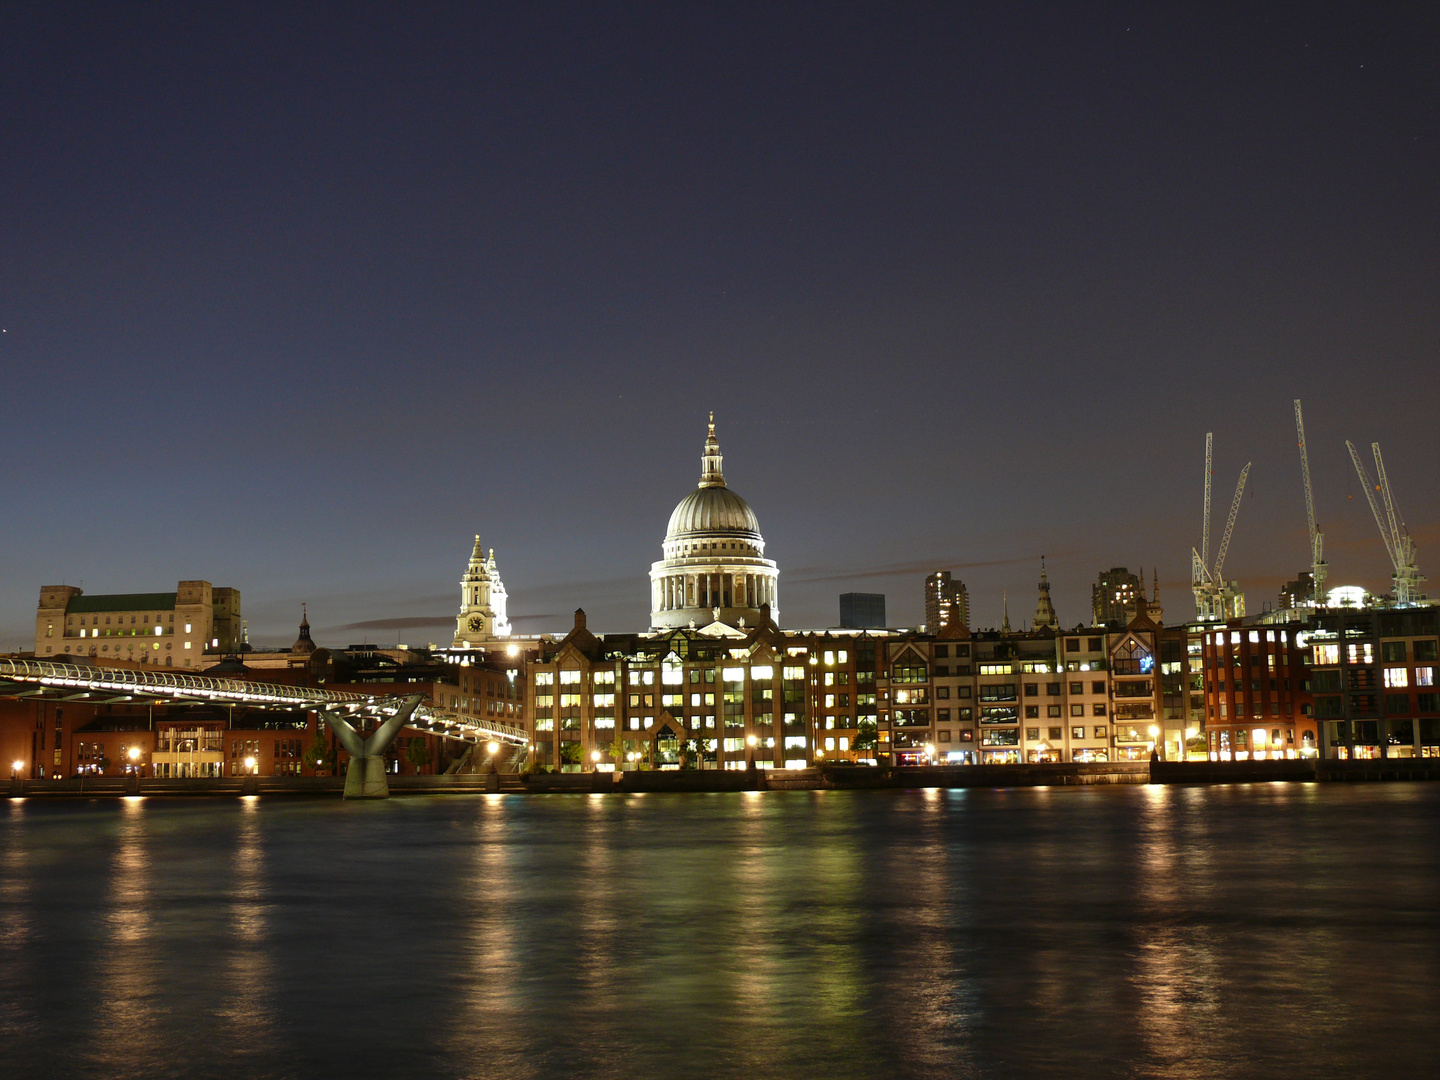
(1406, 577)
(1205, 532)
(1215, 598)
(1318, 567)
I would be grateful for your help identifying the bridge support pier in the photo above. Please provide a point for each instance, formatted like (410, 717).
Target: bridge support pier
(365, 774)
(365, 778)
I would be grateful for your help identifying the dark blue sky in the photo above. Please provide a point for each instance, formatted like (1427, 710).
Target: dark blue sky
(297, 298)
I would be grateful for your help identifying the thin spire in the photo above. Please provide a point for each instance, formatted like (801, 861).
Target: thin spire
(711, 474)
(1005, 598)
(1044, 608)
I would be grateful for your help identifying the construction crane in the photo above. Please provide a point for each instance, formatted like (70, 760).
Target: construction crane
(1215, 598)
(1318, 567)
(1200, 560)
(1405, 581)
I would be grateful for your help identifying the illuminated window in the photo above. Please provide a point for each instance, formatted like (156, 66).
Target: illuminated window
(1397, 677)
(1424, 676)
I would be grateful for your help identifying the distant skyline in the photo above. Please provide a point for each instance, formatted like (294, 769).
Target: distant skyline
(297, 299)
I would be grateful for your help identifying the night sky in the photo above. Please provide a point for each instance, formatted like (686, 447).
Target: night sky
(298, 298)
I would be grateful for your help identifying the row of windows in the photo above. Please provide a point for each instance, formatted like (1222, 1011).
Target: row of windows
(120, 619)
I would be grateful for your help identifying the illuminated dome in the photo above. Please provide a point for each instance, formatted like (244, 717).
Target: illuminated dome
(712, 510)
(714, 557)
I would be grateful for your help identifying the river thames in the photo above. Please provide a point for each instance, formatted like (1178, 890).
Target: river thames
(1268, 930)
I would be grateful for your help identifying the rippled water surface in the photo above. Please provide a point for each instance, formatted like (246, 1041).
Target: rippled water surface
(1246, 931)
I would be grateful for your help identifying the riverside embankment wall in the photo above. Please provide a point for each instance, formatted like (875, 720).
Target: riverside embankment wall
(936, 776)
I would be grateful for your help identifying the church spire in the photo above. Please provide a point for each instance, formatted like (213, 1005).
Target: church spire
(304, 644)
(1005, 598)
(710, 471)
(1044, 609)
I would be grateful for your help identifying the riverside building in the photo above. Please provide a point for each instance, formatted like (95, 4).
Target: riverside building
(172, 629)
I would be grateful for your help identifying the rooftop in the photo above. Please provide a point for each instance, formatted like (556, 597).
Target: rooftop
(151, 601)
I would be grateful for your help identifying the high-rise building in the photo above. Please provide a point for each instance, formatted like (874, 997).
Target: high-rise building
(862, 611)
(1116, 590)
(1298, 593)
(947, 602)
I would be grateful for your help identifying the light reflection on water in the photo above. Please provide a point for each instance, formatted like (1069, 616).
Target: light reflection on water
(1275, 930)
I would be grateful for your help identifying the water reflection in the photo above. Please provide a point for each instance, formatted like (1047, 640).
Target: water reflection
(246, 1011)
(1185, 932)
(130, 1011)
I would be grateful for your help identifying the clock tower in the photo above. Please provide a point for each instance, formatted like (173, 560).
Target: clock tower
(482, 602)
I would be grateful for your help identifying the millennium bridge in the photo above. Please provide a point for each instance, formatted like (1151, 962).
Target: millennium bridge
(346, 713)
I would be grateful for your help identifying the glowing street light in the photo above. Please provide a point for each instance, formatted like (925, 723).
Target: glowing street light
(250, 764)
(16, 768)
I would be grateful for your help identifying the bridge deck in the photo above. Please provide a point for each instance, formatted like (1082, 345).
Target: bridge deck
(84, 682)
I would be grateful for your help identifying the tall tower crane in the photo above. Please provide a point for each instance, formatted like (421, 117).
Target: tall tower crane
(1200, 560)
(1318, 567)
(1215, 598)
(1405, 581)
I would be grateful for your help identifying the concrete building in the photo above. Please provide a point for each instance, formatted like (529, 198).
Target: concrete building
(169, 629)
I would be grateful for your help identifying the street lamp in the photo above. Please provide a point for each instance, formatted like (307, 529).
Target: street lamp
(1154, 738)
(250, 764)
(930, 752)
(595, 759)
(16, 767)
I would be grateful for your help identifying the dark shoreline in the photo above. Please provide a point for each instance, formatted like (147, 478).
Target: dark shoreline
(936, 776)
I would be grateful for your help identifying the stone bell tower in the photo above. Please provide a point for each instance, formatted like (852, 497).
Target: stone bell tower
(482, 602)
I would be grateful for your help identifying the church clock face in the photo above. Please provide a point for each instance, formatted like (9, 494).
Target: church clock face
(476, 623)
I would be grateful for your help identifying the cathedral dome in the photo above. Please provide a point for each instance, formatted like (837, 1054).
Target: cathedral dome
(714, 569)
(709, 510)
